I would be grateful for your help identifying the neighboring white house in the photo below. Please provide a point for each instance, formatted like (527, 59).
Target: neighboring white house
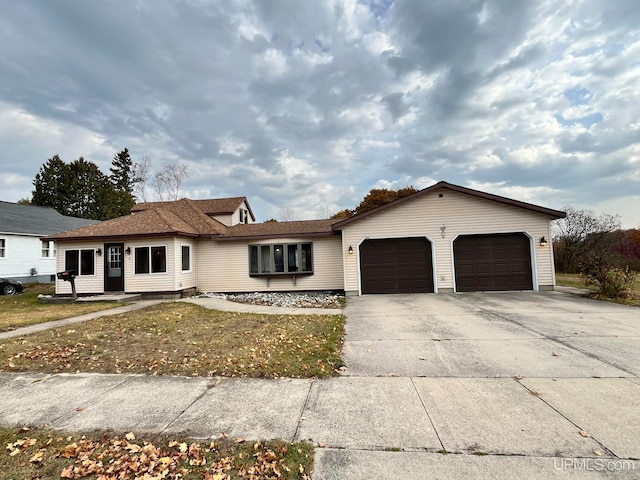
(445, 238)
(23, 256)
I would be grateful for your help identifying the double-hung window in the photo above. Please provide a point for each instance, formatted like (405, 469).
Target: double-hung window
(3, 246)
(281, 259)
(186, 258)
(82, 262)
(150, 259)
(45, 248)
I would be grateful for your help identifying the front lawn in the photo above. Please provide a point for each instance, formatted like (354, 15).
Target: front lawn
(179, 338)
(51, 455)
(24, 309)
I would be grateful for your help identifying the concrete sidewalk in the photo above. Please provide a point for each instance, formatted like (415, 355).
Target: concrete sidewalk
(211, 303)
(39, 327)
(363, 427)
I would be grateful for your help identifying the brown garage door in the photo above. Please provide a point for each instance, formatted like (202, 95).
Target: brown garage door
(493, 262)
(396, 265)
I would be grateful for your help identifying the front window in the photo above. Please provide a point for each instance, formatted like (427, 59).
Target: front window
(150, 260)
(281, 259)
(2, 247)
(186, 258)
(82, 262)
(45, 248)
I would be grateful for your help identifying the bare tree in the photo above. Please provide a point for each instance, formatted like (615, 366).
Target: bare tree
(168, 181)
(324, 211)
(141, 172)
(287, 215)
(581, 232)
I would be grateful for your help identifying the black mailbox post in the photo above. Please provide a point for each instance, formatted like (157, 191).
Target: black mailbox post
(69, 276)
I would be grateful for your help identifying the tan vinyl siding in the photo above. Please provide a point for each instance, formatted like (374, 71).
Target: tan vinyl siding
(151, 282)
(186, 279)
(224, 267)
(225, 219)
(84, 283)
(459, 214)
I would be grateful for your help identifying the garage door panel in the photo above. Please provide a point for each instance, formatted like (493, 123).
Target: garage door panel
(396, 265)
(493, 262)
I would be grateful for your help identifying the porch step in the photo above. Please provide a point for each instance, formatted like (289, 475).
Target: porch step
(118, 298)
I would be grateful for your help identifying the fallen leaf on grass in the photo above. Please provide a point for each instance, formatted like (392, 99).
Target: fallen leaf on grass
(37, 457)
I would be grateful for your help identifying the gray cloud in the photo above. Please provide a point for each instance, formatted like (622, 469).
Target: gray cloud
(308, 104)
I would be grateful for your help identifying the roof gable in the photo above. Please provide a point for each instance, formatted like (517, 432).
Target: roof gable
(169, 218)
(210, 207)
(553, 214)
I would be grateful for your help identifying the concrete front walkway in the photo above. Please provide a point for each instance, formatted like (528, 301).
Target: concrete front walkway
(500, 386)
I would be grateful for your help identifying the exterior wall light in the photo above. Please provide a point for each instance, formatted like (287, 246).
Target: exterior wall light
(350, 250)
(543, 242)
(128, 251)
(99, 252)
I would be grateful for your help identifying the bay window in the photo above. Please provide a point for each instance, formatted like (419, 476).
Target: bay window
(281, 259)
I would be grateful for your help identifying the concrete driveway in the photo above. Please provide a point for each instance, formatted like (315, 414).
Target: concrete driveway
(519, 385)
(486, 335)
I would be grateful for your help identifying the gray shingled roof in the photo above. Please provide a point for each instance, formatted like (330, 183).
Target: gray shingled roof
(29, 220)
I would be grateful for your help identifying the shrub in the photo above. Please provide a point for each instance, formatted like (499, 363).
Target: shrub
(609, 280)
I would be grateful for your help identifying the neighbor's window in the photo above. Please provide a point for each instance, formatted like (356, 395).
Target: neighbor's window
(80, 261)
(2, 247)
(45, 248)
(150, 259)
(280, 258)
(186, 258)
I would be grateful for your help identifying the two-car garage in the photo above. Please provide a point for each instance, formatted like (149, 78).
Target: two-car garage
(489, 262)
(447, 239)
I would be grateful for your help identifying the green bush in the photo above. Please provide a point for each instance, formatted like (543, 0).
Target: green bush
(610, 280)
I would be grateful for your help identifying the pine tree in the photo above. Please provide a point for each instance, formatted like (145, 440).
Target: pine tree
(123, 180)
(52, 186)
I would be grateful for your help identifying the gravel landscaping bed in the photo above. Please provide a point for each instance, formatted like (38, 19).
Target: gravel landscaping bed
(277, 299)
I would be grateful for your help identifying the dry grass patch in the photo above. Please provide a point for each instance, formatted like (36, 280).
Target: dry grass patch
(577, 280)
(179, 338)
(44, 455)
(24, 309)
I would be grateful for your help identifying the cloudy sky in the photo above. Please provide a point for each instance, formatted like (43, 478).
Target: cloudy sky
(310, 104)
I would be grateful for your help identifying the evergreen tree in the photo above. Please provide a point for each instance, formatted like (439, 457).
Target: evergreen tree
(91, 192)
(123, 180)
(51, 186)
(77, 189)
